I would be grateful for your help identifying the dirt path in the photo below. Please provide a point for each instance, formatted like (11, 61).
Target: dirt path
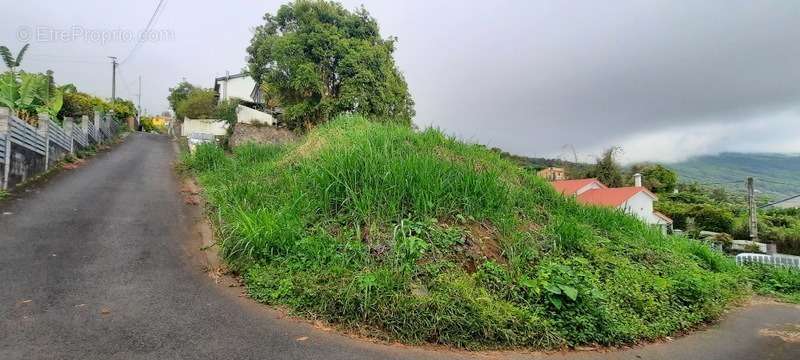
(101, 262)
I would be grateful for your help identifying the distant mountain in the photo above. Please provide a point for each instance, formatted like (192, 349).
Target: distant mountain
(776, 175)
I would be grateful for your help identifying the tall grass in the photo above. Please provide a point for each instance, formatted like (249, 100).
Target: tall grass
(418, 237)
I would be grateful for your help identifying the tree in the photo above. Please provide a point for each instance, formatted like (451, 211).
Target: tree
(657, 178)
(77, 104)
(178, 94)
(123, 109)
(226, 111)
(607, 170)
(199, 104)
(318, 59)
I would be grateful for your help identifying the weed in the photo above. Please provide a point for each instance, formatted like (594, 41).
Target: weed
(419, 237)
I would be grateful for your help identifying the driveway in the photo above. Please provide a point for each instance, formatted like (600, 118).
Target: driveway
(101, 262)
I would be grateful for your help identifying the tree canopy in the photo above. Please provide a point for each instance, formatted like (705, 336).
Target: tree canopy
(607, 170)
(199, 104)
(657, 178)
(318, 59)
(178, 94)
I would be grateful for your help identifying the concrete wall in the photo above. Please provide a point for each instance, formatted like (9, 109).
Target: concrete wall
(24, 164)
(204, 126)
(246, 115)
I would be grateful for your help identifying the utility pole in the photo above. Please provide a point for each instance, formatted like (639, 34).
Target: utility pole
(139, 113)
(751, 207)
(113, 78)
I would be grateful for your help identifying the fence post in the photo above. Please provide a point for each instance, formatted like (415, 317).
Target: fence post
(44, 130)
(68, 125)
(5, 113)
(97, 127)
(85, 125)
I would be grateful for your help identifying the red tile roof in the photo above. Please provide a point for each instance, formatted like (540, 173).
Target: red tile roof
(611, 196)
(570, 187)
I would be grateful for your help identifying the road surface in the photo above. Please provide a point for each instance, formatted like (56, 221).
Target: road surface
(101, 262)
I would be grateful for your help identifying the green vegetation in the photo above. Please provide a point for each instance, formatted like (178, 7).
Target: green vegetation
(177, 95)
(315, 59)
(154, 124)
(783, 283)
(777, 176)
(199, 104)
(418, 237)
(196, 102)
(715, 209)
(607, 170)
(30, 94)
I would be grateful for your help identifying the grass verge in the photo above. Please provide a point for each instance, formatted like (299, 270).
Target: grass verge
(415, 236)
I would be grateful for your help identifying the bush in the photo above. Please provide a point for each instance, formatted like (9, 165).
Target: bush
(199, 104)
(781, 282)
(418, 237)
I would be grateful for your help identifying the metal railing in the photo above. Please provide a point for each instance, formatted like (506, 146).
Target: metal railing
(25, 135)
(2, 149)
(58, 136)
(31, 146)
(774, 260)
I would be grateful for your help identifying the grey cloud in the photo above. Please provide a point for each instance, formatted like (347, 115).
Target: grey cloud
(526, 76)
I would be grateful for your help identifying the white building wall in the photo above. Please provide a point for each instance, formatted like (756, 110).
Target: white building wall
(641, 206)
(238, 87)
(203, 126)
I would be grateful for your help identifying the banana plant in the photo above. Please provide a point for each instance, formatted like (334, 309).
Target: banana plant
(11, 61)
(52, 105)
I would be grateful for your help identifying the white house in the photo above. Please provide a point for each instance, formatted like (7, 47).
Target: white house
(635, 200)
(240, 86)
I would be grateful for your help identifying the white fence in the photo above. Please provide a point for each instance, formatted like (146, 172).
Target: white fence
(26, 151)
(775, 260)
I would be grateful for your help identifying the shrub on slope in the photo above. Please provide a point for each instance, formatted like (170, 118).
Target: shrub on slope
(418, 237)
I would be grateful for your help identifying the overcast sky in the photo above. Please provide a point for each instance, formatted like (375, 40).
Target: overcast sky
(663, 79)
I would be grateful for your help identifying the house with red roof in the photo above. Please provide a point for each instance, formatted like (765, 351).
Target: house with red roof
(635, 200)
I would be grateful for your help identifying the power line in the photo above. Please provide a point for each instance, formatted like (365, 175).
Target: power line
(779, 201)
(150, 23)
(64, 61)
(777, 182)
(125, 82)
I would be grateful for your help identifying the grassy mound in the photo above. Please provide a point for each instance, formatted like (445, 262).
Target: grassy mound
(418, 237)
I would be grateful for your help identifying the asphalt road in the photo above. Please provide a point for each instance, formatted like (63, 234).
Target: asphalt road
(101, 262)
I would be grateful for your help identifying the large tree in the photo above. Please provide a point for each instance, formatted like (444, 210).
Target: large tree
(657, 178)
(319, 59)
(199, 104)
(178, 94)
(607, 170)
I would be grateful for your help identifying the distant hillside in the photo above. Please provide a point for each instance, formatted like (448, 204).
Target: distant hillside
(777, 175)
